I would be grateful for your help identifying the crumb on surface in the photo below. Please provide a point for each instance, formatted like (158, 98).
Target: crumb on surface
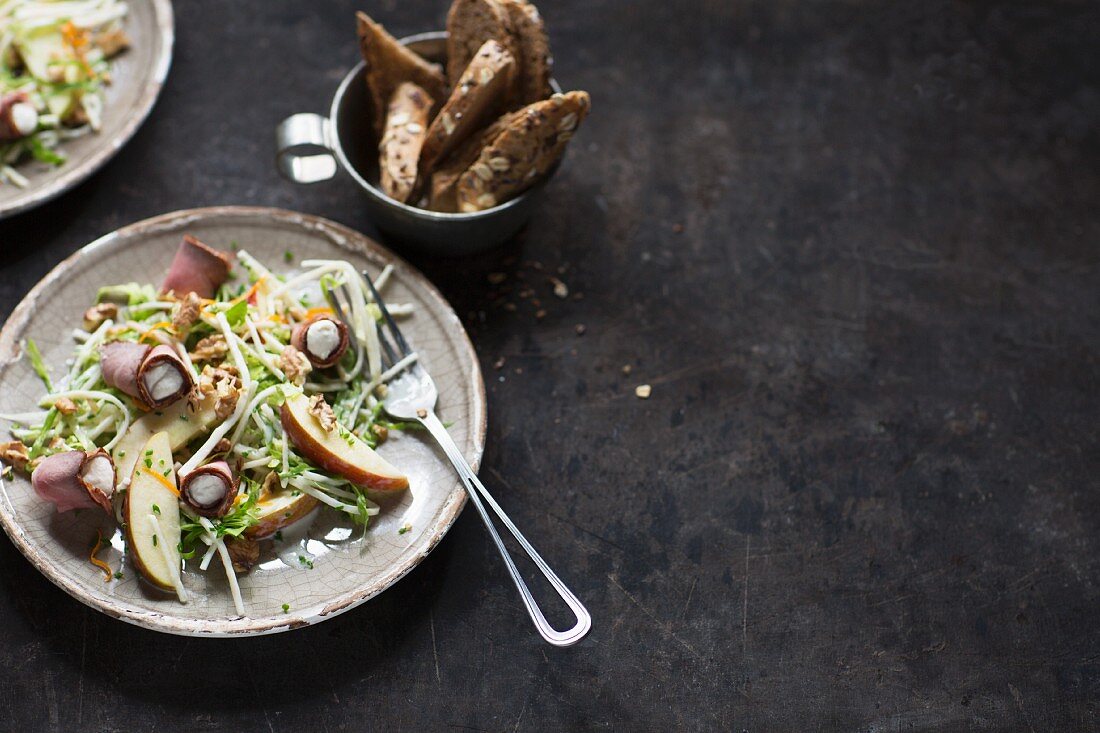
(561, 290)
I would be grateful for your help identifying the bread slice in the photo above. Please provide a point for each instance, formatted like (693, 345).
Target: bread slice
(470, 23)
(533, 45)
(530, 144)
(402, 139)
(483, 90)
(445, 178)
(389, 63)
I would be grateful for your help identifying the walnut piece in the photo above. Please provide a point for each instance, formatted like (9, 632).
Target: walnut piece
(112, 43)
(324, 414)
(210, 348)
(381, 432)
(244, 552)
(295, 365)
(223, 382)
(187, 314)
(65, 406)
(270, 486)
(97, 314)
(15, 453)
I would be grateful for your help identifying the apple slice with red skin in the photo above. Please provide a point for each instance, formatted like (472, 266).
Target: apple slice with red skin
(152, 492)
(338, 450)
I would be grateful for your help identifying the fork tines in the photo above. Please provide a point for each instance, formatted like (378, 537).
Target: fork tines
(340, 311)
(387, 347)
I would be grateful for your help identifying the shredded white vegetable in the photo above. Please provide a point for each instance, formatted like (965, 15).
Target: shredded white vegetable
(383, 277)
(169, 559)
(219, 432)
(124, 415)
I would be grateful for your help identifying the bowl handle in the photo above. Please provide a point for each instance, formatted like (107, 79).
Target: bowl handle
(303, 144)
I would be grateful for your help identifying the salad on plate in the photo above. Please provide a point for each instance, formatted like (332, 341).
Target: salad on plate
(212, 412)
(54, 64)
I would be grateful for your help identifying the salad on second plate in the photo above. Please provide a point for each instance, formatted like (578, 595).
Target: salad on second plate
(206, 414)
(54, 63)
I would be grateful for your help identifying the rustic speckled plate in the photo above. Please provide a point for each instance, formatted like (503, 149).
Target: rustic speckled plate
(345, 572)
(138, 76)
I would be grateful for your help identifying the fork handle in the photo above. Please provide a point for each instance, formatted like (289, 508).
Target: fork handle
(478, 492)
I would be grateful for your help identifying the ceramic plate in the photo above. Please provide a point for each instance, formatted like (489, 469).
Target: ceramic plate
(345, 573)
(138, 74)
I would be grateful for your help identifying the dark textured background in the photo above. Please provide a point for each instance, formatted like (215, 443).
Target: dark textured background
(852, 246)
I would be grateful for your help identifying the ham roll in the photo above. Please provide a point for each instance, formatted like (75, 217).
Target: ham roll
(155, 375)
(323, 339)
(210, 490)
(76, 480)
(18, 118)
(196, 269)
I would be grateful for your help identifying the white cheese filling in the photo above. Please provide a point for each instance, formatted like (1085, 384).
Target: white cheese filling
(206, 489)
(24, 118)
(99, 473)
(163, 380)
(322, 338)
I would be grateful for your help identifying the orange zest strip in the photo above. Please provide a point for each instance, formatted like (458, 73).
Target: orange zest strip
(244, 296)
(163, 481)
(319, 310)
(251, 291)
(96, 561)
(149, 332)
(77, 38)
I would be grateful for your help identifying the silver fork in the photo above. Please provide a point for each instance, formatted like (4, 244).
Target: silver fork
(412, 395)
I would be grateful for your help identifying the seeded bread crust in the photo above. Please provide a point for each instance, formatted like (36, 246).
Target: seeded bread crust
(481, 94)
(530, 144)
(535, 62)
(402, 139)
(389, 63)
(445, 178)
(470, 23)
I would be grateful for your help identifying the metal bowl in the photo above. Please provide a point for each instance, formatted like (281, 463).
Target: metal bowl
(310, 146)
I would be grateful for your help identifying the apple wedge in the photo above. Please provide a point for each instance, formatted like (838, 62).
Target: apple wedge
(279, 510)
(338, 450)
(179, 422)
(153, 516)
